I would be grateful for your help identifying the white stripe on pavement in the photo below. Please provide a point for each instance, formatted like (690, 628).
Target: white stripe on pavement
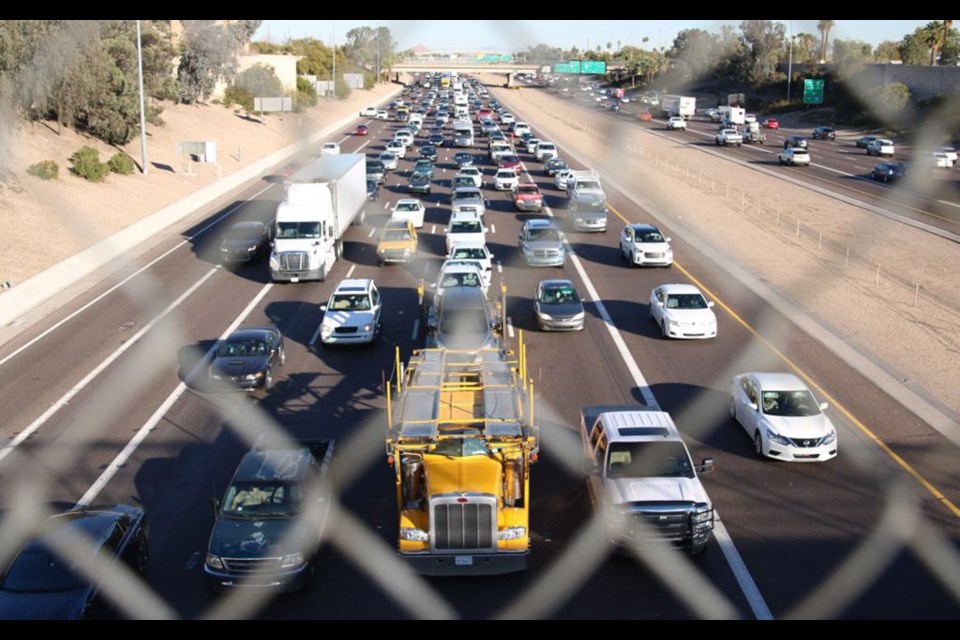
(141, 435)
(90, 377)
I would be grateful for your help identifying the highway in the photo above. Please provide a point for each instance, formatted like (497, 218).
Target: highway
(838, 166)
(793, 525)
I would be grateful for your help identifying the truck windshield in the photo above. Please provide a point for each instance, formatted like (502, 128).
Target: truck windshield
(648, 460)
(260, 498)
(295, 230)
(461, 447)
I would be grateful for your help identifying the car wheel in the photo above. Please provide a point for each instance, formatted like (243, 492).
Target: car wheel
(663, 328)
(758, 443)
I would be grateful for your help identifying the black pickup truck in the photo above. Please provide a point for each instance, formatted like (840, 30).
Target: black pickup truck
(269, 524)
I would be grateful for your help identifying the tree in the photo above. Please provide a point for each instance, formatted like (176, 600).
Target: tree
(210, 52)
(261, 81)
(890, 99)
(365, 45)
(887, 51)
(693, 55)
(824, 27)
(763, 40)
(856, 49)
(922, 46)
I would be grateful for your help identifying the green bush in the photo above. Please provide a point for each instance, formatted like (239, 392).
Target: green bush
(305, 96)
(121, 163)
(87, 165)
(342, 89)
(238, 95)
(45, 170)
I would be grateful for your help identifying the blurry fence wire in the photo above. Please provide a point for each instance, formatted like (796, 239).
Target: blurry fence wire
(32, 474)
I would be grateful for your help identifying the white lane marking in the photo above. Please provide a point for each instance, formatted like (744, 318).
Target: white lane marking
(350, 271)
(748, 585)
(433, 228)
(493, 228)
(373, 230)
(509, 326)
(362, 146)
(499, 267)
(416, 329)
(133, 275)
(161, 411)
(316, 334)
(90, 377)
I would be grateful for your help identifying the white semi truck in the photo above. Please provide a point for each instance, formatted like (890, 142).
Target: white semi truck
(320, 202)
(682, 106)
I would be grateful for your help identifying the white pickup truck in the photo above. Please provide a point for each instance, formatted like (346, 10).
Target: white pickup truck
(641, 476)
(729, 136)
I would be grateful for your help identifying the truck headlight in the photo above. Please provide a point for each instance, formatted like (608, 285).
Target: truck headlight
(274, 262)
(417, 535)
(512, 533)
(291, 560)
(214, 562)
(830, 437)
(703, 514)
(777, 438)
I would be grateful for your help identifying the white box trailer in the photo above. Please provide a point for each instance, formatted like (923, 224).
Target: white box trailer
(320, 202)
(733, 115)
(683, 106)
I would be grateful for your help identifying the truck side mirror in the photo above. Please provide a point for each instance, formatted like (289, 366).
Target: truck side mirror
(706, 466)
(323, 307)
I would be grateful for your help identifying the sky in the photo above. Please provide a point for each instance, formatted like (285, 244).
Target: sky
(516, 35)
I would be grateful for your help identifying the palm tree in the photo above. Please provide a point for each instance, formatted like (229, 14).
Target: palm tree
(824, 27)
(934, 35)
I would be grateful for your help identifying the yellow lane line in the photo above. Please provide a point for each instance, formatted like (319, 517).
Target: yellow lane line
(903, 464)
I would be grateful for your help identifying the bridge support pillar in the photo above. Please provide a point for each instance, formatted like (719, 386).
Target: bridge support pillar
(509, 81)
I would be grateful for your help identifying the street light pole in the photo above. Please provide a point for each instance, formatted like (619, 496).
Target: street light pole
(333, 46)
(143, 117)
(378, 55)
(790, 62)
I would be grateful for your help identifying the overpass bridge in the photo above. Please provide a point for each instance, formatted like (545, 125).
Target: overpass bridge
(467, 66)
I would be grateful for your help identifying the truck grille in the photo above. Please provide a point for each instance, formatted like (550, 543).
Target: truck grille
(252, 565)
(672, 526)
(463, 526)
(294, 261)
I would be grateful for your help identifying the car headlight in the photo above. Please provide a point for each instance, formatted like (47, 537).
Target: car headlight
(545, 316)
(368, 327)
(417, 535)
(252, 248)
(326, 327)
(577, 316)
(830, 437)
(291, 560)
(777, 438)
(250, 377)
(512, 533)
(214, 562)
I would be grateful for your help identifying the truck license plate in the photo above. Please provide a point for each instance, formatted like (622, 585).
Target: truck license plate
(295, 279)
(463, 561)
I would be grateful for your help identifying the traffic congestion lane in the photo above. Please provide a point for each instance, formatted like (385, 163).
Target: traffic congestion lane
(694, 388)
(843, 168)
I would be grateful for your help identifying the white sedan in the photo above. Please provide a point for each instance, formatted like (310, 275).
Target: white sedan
(472, 173)
(330, 149)
(782, 417)
(794, 156)
(383, 115)
(409, 209)
(368, 112)
(950, 152)
(676, 122)
(505, 180)
(681, 311)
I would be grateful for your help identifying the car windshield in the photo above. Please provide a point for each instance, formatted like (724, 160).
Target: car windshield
(528, 190)
(350, 302)
(462, 279)
(463, 321)
(506, 175)
(461, 181)
(245, 232)
(649, 236)
(509, 160)
(543, 234)
(587, 185)
(469, 253)
(559, 295)
(371, 185)
(241, 348)
(375, 167)
(397, 234)
(648, 460)
(298, 230)
(591, 206)
(686, 301)
(260, 498)
(407, 206)
(466, 226)
(790, 404)
(37, 570)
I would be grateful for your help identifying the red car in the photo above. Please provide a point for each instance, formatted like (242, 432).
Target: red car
(509, 161)
(527, 197)
(362, 130)
(771, 123)
(646, 116)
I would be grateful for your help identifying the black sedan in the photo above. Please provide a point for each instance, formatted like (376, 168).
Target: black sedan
(553, 166)
(864, 142)
(824, 133)
(245, 241)
(419, 183)
(888, 172)
(249, 358)
(436, 139)
(463, 159)
(42, 584)
(428, 152)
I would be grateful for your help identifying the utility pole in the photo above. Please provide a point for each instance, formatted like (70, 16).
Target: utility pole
(790, 62)
(333, 47)
(143, 117)
(378, 55)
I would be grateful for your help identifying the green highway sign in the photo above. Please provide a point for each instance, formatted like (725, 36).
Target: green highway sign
(567, 67)
(813, 92)
(593, 66)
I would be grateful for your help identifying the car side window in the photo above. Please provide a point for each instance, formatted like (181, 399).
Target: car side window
(601, 449)
(375, 295)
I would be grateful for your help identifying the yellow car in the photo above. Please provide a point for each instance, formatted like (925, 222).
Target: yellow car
(398, 242)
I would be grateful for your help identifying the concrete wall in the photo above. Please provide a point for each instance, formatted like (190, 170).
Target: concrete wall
(285, 67)
(923, 82)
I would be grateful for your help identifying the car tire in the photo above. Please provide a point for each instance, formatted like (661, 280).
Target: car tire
(663, 328)
(758, 443)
